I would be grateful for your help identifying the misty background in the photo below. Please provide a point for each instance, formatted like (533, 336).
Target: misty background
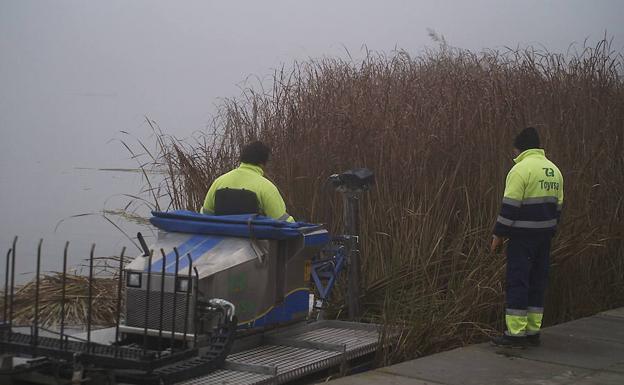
(75, 74)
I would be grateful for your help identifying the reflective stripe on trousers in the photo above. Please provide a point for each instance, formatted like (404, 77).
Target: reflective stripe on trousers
(516, 320)
(534, 320)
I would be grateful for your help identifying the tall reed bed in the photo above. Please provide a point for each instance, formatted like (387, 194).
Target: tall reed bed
(437, 131)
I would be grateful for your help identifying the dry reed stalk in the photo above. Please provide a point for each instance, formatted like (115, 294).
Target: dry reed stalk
(76, 299)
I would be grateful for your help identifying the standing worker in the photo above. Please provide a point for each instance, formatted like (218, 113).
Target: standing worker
(245, 190)
(529, 216)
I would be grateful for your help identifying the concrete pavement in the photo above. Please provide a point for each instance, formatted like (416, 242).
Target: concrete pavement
(581, 352)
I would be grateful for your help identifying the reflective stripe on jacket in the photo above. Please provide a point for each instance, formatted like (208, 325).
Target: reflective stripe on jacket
(250, 177)
(533, 196)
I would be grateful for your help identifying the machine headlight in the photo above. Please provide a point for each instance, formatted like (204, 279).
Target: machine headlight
(183, 284)
(133, 279)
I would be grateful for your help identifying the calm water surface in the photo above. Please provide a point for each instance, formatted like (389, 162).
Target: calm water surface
(47, 199)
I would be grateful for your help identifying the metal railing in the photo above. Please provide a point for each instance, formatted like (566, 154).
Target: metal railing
(149, 356)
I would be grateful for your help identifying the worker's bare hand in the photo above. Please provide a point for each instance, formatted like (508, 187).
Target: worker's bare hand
(496, 243)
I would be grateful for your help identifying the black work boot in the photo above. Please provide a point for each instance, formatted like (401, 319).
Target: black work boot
(506, 341)
(533, 339)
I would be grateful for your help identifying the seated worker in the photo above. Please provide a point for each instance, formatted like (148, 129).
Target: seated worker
(245, 190)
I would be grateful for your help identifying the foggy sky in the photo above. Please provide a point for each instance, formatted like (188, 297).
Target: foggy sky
(75, 73)
(91, 68)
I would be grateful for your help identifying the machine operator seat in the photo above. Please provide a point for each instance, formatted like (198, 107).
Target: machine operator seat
(231, 201)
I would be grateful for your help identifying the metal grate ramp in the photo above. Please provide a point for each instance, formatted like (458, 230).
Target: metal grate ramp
(295, 352)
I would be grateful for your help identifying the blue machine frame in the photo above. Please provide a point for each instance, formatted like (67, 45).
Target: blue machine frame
(326, 271)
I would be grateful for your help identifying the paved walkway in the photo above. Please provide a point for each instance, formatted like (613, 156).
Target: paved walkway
(581, 352)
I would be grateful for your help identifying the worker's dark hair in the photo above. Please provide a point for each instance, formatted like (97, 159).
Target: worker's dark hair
(527, 139)
(255, 153)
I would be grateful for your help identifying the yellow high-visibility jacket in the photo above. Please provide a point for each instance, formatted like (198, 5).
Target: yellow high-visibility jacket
(250, 177)
(533, 196)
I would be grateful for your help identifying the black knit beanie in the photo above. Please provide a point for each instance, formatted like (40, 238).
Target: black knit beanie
(527, 139)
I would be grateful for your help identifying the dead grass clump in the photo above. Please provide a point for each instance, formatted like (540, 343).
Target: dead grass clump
(437, 130)
(76, 301)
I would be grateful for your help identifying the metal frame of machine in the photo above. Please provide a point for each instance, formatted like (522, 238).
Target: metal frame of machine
(147, 360)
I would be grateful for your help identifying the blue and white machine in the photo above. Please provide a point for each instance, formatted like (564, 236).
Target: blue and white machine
(258, 268)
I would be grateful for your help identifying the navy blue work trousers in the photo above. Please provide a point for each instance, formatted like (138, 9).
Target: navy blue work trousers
(527, 271)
